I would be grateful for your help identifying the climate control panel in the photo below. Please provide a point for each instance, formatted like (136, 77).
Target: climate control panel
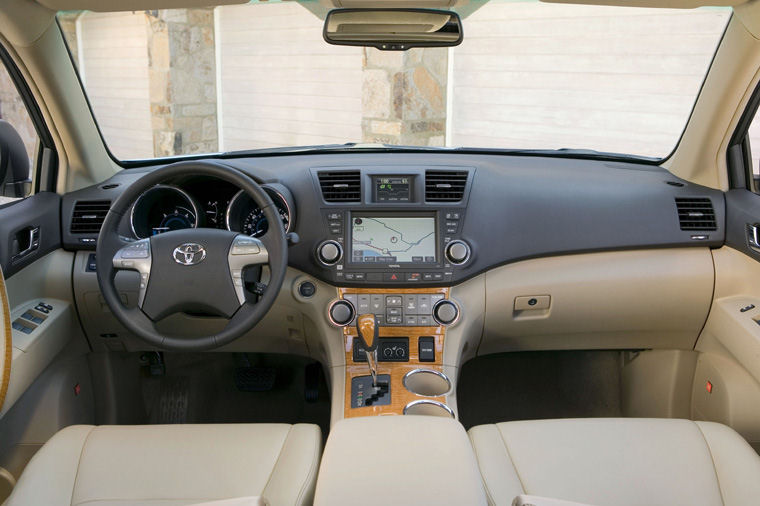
(402, 309)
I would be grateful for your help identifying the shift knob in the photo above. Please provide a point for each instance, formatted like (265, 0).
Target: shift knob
(368, 329)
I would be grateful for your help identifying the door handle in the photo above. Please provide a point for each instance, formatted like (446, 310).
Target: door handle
(27, 240)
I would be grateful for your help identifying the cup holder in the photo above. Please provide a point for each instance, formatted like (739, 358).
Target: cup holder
(427, 382)
(428, 407)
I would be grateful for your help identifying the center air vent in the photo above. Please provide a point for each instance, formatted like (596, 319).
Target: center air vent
(341, 186)
(445, 185)
(696, 213)
(89, 215)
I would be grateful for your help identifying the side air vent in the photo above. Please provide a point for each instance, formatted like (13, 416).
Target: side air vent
(696, 213)
(445, 185)
(88, 216)
(341, 186)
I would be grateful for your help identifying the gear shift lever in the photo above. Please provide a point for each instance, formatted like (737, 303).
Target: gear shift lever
(368, 329)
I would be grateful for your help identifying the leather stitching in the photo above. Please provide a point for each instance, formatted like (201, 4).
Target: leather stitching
(277, 461)
(712, 459)
(491, 499)
(79, 463)
(511, 460)
(314, 460)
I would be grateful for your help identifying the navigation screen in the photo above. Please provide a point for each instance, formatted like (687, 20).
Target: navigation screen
(379, 239)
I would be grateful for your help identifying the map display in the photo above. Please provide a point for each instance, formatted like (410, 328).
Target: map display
(392, 240)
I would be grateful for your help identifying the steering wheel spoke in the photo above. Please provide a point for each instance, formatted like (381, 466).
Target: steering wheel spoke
(136, 256)
(244, 252)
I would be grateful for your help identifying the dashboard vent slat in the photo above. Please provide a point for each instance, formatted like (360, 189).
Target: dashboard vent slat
(696, 213)
(341, 186)
(88, 216)
(445, 185)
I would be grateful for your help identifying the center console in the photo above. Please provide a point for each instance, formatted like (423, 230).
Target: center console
(411, 334)
(393, 227)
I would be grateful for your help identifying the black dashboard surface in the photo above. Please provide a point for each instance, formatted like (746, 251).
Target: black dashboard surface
(515, 207)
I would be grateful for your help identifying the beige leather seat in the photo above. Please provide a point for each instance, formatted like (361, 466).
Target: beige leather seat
(170, 465)
(618, 462)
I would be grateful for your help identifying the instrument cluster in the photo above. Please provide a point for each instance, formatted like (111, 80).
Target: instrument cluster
(206, 203)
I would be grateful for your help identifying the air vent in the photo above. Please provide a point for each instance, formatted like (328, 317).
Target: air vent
(89, 215)
(696, 214)
(445, 186)
(341, 186)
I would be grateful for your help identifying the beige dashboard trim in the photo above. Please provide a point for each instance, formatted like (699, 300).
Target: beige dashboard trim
(656, 298)
(7, 343)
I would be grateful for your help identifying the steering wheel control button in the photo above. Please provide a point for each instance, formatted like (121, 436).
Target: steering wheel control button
(137, 250)
(136, 256)
(307, 289)
(245, 246)
(329, 252)
(532, 302)
(244, 251)
(445, 312)
(457, 252)
(342, 313)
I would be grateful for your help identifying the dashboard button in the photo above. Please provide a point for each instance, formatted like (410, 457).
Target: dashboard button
(341, 312)
(394, 300)
(413, 276)
(359, 276)
(393, 320)
(410, 304)
(392, 276)
(377, 303)
(427, 276)
(307, 289)
(410, 320)
(457, 252)
(363, 305)
(329, 252)
(445, 312)
(394, 311)
(423, 304)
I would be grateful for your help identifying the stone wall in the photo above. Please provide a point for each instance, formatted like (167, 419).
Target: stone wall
(404, 96)
(182, 73)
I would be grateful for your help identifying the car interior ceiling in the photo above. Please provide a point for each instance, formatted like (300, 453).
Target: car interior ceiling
(210, 322)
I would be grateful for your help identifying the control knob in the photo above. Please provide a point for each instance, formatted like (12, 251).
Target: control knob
(445, 312)
(342, 312)
(329, 252)
(457, 252)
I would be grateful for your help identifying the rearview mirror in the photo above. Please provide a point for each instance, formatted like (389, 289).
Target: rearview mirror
(393, 29)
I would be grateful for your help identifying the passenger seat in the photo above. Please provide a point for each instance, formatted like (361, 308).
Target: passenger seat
(617, 462)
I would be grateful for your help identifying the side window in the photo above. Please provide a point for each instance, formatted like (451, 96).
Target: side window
(753, 138)
(19, 142)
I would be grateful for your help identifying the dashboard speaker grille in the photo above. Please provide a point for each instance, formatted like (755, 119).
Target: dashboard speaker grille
(341, 186)
(445, 185)
(696, 213)
(89, 216)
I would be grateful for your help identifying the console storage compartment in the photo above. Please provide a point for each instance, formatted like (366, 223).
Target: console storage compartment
(399, 460)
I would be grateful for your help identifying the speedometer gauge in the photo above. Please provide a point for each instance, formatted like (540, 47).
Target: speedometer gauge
(243, 215)
(256, 224)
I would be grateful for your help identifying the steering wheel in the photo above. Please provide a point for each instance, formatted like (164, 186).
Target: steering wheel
(191, 270)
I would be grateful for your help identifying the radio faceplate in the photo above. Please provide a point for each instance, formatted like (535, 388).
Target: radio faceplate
(391, 247)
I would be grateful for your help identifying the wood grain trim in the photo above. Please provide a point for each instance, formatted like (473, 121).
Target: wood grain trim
(7, 351)
(400, 396)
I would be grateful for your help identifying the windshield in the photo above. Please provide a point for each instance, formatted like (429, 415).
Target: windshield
(528, 75)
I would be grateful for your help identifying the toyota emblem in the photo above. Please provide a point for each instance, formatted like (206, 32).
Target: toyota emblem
(189, 253)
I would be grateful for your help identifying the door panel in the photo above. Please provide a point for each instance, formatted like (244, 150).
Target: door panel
(29, 230)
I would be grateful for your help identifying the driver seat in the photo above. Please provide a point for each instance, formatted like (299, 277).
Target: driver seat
(272, 464)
